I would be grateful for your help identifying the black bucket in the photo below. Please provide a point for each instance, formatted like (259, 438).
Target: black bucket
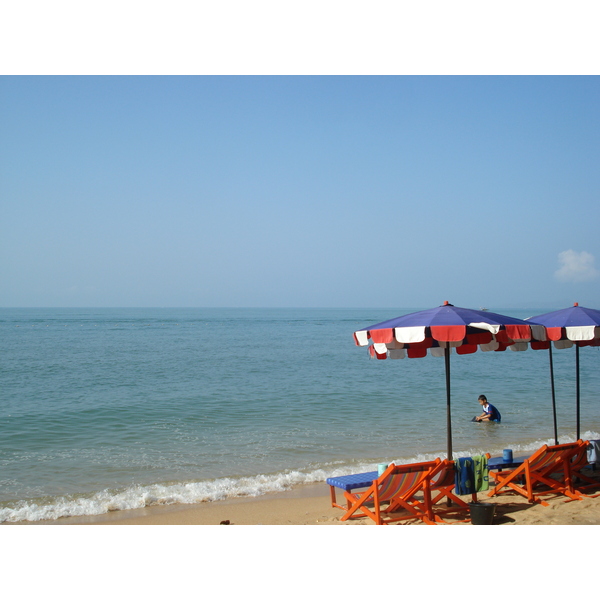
(482, 513)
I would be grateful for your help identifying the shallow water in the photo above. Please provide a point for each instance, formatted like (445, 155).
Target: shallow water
(103, 409)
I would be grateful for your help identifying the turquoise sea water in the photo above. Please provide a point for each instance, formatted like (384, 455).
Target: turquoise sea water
(108, 409)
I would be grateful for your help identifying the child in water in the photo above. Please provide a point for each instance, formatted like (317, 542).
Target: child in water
(490, 412)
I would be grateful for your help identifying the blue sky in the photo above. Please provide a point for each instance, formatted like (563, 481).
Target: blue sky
(331, 191)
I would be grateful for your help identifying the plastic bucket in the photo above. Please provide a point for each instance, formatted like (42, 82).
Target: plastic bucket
(482, 513)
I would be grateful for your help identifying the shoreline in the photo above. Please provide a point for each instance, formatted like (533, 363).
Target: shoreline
(144, 500)
(310, 504)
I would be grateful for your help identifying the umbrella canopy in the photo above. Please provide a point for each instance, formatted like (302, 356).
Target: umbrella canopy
(574, 326)
(447, 326)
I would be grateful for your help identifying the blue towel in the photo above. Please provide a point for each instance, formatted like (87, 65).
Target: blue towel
(465, 477)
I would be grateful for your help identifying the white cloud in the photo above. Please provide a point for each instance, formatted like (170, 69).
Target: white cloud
(575, 267)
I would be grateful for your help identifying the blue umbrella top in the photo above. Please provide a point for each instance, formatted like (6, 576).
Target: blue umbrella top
(575, 324)
(462, 328)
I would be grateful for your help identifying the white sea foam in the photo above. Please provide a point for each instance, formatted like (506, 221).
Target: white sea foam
(193, 492)
(149, 495)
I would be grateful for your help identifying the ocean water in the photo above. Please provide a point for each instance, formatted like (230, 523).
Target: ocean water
(111, 409)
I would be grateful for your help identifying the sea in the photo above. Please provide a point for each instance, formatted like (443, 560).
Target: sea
(106, 409)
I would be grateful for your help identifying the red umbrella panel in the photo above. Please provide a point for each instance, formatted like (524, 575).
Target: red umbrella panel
(438, 329)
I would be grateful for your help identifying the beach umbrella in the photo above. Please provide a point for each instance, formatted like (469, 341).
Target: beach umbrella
(574, 326)
(437, 330)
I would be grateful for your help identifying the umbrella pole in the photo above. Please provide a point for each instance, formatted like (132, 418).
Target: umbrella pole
(553, 395)
(448, 417)
(577, 385)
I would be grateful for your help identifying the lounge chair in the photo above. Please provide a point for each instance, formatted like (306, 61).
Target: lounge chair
(581, 481)
(546, 471)
(412, 491)
(438, 484)
(394, 488)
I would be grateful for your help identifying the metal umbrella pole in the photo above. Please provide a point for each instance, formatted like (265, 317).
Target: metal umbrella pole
(553, 394)
(577, 387)
(448, 413)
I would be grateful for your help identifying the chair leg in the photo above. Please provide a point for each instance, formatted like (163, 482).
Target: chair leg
(333, 498)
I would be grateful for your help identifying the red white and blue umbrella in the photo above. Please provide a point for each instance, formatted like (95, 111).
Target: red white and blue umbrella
(574, 326)
(439, 329)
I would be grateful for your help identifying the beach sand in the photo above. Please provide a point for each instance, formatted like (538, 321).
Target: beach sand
(311, 505)
(278, 560)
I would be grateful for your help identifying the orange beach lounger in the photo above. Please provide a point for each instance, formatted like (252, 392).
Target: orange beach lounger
(549, 470)
(393, 488)
(411, 491)
(582, 482)
(440, 481)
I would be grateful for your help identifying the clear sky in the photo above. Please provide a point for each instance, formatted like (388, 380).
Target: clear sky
(291, 191)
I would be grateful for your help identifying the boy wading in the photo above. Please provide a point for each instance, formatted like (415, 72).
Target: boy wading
(490, 412)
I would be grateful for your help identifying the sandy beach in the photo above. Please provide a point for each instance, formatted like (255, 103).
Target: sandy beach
(174, 559)
(310, 505)
(156, 561)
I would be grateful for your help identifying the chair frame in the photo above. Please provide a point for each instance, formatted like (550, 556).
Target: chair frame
(383, 491)
(578, 462)
(538, 470)
(435, 480)
(441, 480)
